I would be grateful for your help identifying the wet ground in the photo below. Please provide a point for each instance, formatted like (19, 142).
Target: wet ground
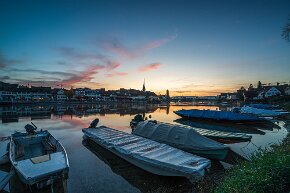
(94, 169)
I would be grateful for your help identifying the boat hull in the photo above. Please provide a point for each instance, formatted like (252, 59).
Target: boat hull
(181, 137)
(40, 170)
(141, 164)
(217, 116)
(219, 154)
(148, 155)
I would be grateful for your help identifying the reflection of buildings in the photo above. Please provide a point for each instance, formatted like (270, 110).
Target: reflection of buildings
(14, 112)
(122, 109)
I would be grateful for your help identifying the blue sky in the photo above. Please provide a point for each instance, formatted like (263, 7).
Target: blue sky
(188, 47)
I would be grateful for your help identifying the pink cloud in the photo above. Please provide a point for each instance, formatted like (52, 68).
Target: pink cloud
(84, 76)
(158, 43)
(112, 65)
(149, 67)
(121, 73)
(115, 46)
(117, 74)
(110, 75)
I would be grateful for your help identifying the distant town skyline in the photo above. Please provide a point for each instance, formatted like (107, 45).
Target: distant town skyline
(194, 48)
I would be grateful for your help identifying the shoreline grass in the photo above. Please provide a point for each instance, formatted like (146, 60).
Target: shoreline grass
(268, 171)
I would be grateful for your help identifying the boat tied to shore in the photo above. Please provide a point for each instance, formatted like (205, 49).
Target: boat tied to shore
(149, 155)
(181, 137)
(37, 157)
(261, 112)
(217, 115)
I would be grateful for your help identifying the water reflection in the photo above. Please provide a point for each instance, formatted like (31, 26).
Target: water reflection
(13, 113)
(89, 173)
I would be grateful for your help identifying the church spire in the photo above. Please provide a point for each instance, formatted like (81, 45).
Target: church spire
(144, 89)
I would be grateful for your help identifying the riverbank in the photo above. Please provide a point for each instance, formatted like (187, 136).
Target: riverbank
(268, 171)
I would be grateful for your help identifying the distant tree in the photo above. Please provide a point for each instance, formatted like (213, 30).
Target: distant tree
(242, 88)
(251, 87)
(259, 85)
(240, 93)
(286, 31)
(278, 83)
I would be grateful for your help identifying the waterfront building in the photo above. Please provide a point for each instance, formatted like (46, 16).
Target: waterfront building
(60, 96)
(232, 96)
(7, 96)
(273, 91)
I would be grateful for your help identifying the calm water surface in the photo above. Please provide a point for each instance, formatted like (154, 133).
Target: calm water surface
(93, 169)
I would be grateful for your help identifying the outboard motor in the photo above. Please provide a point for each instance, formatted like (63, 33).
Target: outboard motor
(138, 118)
(94, 123)
(30, 129)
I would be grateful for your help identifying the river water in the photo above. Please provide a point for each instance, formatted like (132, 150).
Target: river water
(93, 169)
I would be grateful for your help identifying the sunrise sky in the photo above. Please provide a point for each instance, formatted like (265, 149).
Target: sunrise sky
(189, 47)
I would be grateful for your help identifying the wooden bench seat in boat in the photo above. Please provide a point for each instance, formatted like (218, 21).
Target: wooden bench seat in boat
(39, 159)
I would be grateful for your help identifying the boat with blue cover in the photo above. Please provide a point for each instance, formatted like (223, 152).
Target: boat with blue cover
(263, 106)
(217, 115)
(263, 112)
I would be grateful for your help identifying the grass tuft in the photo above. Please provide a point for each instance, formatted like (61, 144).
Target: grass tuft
(268, 171)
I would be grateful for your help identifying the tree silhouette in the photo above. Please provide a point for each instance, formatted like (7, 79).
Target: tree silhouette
(286, 31)
(259, 85)
(242, 88)
(251, 87)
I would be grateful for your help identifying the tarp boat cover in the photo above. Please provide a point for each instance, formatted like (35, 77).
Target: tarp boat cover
(216, 115)
(181, 137)
(262, 112)
(149, 155)
(216, 134)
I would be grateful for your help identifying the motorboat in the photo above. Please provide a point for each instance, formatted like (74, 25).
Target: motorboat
(37, 157)
(217, 115)
(263, 112)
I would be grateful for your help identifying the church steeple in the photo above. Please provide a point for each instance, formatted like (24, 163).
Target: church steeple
(144, 89)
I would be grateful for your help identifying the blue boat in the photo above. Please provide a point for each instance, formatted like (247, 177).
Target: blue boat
(232, 127)
(263, 106)
(216, 115)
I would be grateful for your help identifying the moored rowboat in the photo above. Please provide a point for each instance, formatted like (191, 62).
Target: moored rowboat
(38, 158)
(149, 155)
